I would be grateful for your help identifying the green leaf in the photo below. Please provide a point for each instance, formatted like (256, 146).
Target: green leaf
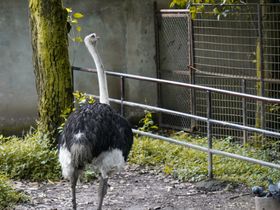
(78, 15)
(216, 11)
(193, 11)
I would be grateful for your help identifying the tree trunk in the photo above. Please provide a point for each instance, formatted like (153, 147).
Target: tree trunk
(48, 22)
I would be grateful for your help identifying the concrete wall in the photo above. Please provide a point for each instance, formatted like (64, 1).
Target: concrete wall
(17, 87)
(127, 45)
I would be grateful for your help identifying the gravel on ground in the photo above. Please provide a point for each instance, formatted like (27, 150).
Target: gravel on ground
(138, 188)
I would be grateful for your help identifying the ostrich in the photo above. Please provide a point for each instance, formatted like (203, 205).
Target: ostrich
(94, 134)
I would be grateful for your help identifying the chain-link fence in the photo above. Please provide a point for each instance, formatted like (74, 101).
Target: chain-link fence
(174, 57)
(237, 51)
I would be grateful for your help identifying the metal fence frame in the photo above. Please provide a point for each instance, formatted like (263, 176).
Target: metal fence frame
(207, 119)
(200, 75)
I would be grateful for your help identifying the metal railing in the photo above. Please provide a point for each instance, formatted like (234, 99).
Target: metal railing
(207, 119)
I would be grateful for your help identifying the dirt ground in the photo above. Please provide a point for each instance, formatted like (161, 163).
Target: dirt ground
(138, 188)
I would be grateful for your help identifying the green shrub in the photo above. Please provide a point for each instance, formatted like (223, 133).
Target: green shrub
(147, 122)
(8, 196)
(28, 158)
(191, 165)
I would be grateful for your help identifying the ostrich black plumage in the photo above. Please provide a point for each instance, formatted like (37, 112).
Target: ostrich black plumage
(94, 134)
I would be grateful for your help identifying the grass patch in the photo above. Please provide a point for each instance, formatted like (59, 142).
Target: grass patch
(8, 196)
(191, 165)
(28, 158)
(25, 158)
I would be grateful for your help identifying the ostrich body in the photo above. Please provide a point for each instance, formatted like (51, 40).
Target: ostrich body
(94, 134)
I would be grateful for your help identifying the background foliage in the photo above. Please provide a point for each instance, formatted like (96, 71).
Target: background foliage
(219, 6)
(28, 158)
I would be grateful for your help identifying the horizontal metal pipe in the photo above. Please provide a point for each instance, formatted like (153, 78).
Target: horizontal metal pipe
(154, 108)
(174, 10)
(174, 15)
(174, 141)
(247, 128)
(229, 76)
(204, 119)
(234, 5)
(199, 87)
(204, 149)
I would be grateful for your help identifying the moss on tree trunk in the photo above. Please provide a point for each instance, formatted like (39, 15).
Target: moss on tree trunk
(48, 21)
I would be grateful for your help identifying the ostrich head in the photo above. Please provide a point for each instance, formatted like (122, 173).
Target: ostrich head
(91, 39)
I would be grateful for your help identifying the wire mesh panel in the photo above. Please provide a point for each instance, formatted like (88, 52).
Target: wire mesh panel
(226, 45)
(238, 51)
(240, 45)
(271, 58)
(174, 58)
(224, 107)
(271, 42)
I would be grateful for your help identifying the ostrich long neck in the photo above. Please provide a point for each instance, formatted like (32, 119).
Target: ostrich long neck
(102, 80)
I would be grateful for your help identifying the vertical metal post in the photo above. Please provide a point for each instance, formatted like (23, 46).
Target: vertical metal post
(122, 94)
(260, 35)
(244, 111)
(157, 56)
(209, 135)
(191, 70)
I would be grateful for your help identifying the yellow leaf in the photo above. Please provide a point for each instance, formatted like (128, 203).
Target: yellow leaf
(78, 28)
(78, 39)
(74, 21)
(68, 9)
(78, 15)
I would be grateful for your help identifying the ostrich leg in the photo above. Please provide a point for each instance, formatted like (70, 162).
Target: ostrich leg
(74, 179)
(102, 191)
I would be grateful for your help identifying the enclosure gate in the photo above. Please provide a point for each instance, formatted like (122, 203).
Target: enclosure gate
(173, 59)
(237, 51)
